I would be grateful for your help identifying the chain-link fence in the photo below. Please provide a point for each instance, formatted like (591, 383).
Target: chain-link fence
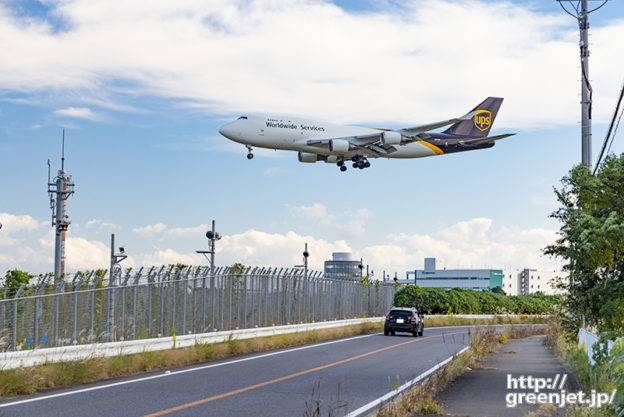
(165, 301)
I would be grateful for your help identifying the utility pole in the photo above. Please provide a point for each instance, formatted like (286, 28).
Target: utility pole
(59, 191)
(586, 93)
(580, 11)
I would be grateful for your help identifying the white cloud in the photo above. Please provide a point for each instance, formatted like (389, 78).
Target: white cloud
(189, 231)
(316, 211)
(258, 248)
(15, 227)
(77, 112)
(150, 230)
(100, 224)
(467, 244)
(166, 257)
(404, 64)
(348, 224)
(474, 243)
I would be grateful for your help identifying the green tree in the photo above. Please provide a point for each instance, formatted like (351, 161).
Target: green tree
(498, 290)
(13, 279)
(237, 269)
(591, 242)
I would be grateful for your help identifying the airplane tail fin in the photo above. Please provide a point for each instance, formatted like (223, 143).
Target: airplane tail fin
(478, 126)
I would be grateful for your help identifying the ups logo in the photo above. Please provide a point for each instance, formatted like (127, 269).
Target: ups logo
(483, 119)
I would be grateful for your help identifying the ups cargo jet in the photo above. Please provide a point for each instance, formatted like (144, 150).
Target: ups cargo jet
(327, 142)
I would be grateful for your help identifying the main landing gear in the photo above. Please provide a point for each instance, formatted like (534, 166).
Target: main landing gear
(249, 152)
(360, 162)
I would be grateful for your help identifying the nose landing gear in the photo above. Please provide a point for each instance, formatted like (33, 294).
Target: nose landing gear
(250, 155)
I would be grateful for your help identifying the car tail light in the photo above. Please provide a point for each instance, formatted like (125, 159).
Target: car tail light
(389, 316)
(411, 318)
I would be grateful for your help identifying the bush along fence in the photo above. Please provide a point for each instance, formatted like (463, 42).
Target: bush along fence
(460, 301)
(166, 301)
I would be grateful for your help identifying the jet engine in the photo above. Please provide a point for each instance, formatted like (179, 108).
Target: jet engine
(331, 159)
(307, 157)
(391, 138)
(339, 145)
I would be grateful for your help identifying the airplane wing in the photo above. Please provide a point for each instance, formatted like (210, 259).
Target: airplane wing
(372, 141)
(472, 142)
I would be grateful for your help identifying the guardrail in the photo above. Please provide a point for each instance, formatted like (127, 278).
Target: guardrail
(587, 340)
(171, 301)
(11, 360)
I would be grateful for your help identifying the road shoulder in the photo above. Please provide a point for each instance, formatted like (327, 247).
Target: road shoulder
(483, 391)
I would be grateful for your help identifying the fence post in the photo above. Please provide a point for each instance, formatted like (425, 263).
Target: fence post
(36, 318)
(253, 290)
(122, 324)
(162, 303)
(230, 278)
(134, 296)
(245, 276)
(3, 313)
(185, 287)
(221, 277)
(56, 308)
(203, 316)
(74, 311)
(93, 287)
(212, 297)
(173, 300)
(14, 339)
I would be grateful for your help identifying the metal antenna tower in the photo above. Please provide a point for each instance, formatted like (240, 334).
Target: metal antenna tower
(59, 191)
(579, 10)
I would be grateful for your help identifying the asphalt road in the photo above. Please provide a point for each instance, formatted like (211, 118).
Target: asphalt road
(343, 375)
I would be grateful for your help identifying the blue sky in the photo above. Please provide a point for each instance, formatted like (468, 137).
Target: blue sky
(142, 91)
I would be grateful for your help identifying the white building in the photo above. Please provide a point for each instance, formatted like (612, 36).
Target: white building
(529, 281)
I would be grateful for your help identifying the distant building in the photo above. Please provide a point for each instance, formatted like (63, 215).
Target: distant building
(470, 279)
(514, 282)
(529, 281)
(343, 266)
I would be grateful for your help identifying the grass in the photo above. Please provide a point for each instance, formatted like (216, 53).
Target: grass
(442, 321)
(591, 377)
(420, 400)
(30, 380)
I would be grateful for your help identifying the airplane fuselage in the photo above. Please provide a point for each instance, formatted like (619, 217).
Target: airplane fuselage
(292, 134)
(323, 141)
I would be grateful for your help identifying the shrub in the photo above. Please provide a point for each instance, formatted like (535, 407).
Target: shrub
(460, 301)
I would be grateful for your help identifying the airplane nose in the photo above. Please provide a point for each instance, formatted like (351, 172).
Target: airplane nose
(228, 130)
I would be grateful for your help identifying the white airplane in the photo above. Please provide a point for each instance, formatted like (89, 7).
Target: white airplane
(331, 143)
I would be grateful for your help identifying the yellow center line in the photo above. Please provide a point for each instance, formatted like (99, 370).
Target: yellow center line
(283, 378)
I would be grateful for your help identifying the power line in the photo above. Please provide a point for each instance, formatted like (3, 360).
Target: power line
(613, 119)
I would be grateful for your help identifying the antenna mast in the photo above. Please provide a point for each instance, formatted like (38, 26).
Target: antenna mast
(59, 191)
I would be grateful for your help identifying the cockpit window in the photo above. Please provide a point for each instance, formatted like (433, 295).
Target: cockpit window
(242, 117)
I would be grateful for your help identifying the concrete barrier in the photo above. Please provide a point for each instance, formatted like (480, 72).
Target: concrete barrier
(11, 360)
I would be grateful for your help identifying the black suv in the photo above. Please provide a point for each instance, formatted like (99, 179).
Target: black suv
(403, 319)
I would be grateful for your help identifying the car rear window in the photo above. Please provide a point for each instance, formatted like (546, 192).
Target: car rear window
(400, 313)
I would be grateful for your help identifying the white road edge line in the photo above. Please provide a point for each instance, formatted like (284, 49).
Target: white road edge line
(403, 387)
(199, 368)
